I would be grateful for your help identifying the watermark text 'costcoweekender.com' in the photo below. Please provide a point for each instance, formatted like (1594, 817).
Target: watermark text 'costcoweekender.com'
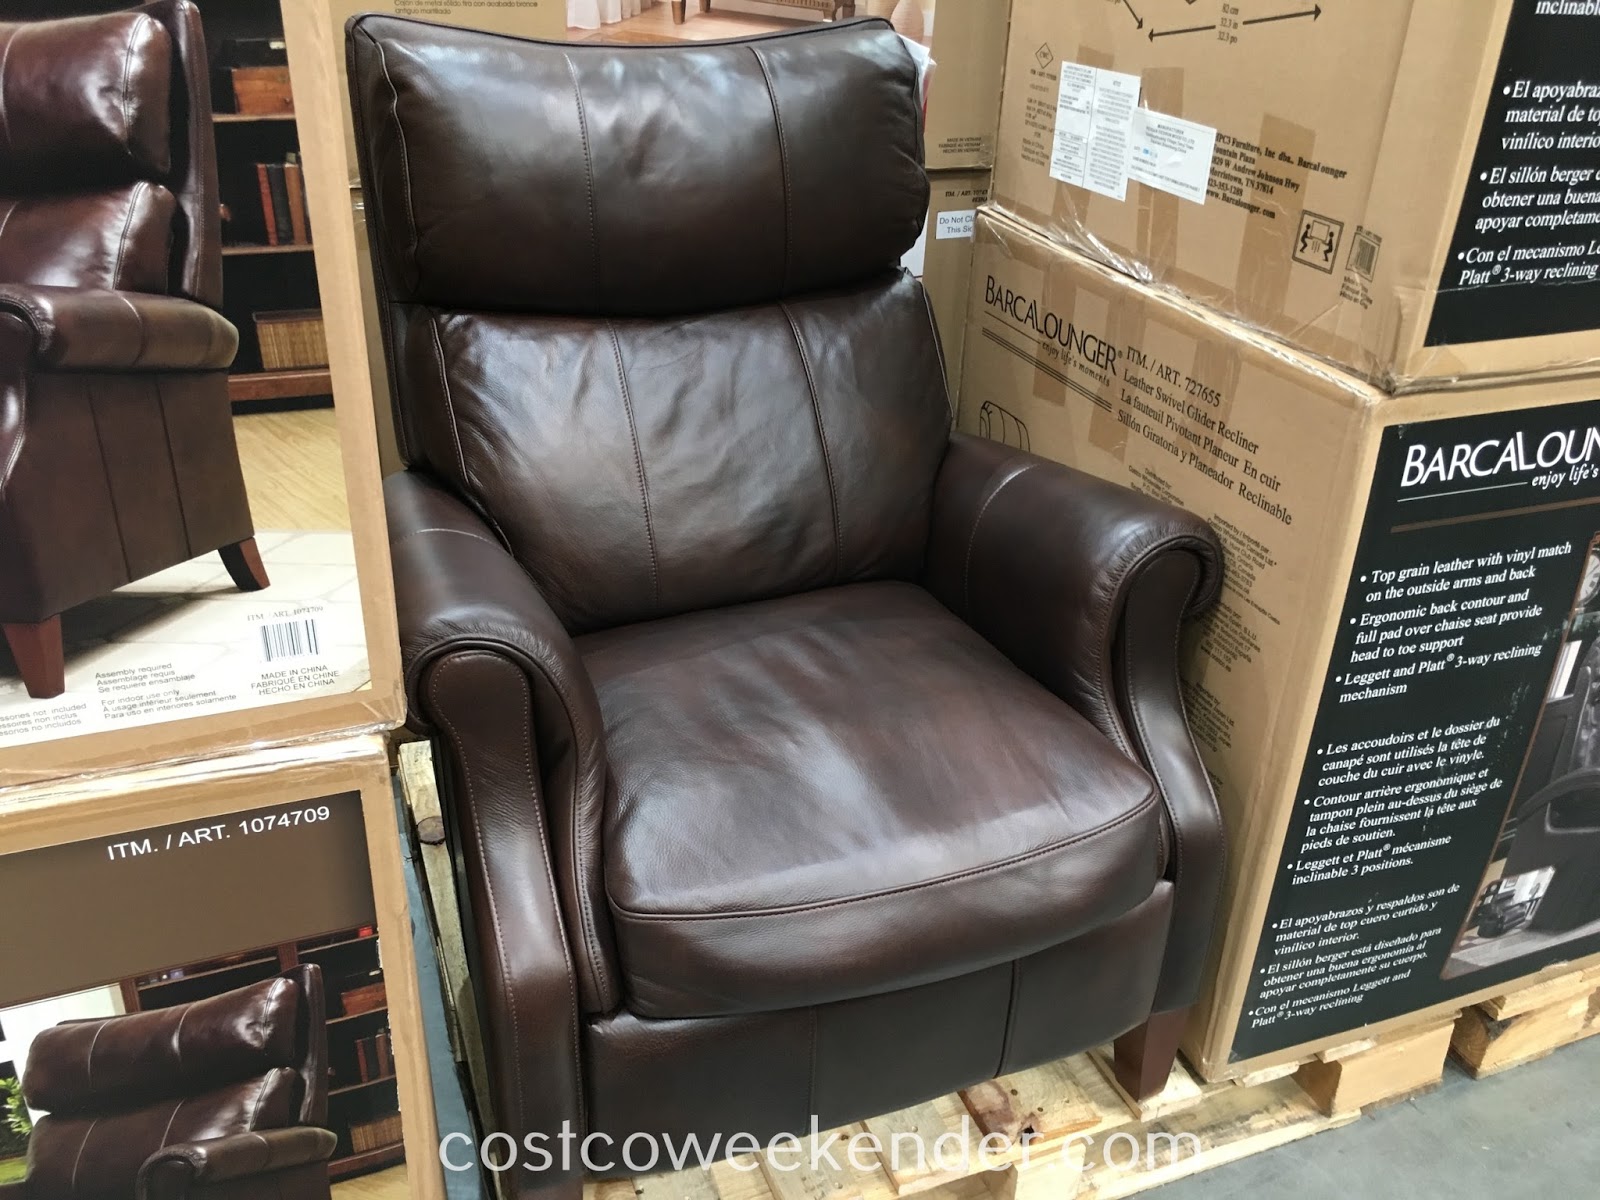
(957, 1151)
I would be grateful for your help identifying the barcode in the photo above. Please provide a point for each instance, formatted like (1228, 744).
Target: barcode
(289, 639)
(1364, 254)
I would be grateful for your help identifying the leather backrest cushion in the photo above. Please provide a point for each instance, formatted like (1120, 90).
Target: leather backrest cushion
(578, 179)
(87, 101)
(638, 468)
(90, 1067)
(98, 1158)
(118, 238)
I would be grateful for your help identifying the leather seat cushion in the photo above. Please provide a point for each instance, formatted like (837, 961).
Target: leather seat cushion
(843, 793)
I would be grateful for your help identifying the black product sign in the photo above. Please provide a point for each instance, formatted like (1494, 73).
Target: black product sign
(1525, 259)
(1446, 830)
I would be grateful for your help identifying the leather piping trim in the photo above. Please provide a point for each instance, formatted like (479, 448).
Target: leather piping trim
(1011, 1018)
(494, 909)
(449, 401)
(405, 161)
(822, 438)
(5, 57)
(1177, 859)
(1116, 608)
(610, 47)
(783, 169)
(1152, 800)
(438, 655)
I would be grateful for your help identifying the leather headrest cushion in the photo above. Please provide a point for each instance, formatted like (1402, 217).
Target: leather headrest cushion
(88, 101)
(130, 1061)
(99, 1157)
(634, 180)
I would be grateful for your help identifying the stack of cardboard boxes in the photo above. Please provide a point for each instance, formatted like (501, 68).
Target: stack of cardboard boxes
(1329, 275)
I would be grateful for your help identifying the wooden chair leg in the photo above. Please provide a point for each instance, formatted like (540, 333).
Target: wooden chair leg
(1144, 1056)
(679, 8)
(244, 565)
(37, 648)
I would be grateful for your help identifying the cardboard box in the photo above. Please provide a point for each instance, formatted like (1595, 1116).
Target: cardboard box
(1411, 189)
(942, 258)
(179, 663)
(161, 887)
(1385, 695)
(967, 39)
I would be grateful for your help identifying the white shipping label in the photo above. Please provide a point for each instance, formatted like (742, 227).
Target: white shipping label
(1172, 154)
(1094, 128)
(955, 224)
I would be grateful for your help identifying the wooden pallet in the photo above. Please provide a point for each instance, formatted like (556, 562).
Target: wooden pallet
(1526, 1024)
(1056, 1131)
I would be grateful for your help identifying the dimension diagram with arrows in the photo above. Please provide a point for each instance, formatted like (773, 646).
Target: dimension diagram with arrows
(1169, 18)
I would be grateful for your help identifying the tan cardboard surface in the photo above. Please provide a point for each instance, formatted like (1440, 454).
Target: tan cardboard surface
(174, 665)
(1075, 362)
(1344, 137)
(280, 795)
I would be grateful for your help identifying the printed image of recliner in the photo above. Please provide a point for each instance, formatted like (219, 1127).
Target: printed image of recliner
(1556, 827)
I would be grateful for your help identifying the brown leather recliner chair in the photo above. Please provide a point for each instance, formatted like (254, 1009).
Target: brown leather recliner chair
(219, 1098)
(799, 757)
(117, 453)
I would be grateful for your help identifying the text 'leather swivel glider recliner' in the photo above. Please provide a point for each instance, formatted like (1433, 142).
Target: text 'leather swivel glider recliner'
(218, 1099)
(800, 758)
(117, 451)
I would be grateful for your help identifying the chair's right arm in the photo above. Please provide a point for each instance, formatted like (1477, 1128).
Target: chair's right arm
(493, 676)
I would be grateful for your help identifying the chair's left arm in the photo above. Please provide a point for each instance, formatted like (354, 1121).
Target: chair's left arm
(177, 1170)
(495, 678)
(98, 329)
(1085, 585)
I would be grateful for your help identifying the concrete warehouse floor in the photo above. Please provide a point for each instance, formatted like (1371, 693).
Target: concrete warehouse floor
(1528, 1132)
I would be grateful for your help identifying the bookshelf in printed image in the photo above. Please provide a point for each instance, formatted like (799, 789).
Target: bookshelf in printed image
(363, 1093)
(266, 268)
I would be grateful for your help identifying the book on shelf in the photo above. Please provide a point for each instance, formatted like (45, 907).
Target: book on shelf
(282, 188)
(385, 1058)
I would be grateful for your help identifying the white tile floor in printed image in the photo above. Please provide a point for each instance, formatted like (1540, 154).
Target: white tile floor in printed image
(186, 642)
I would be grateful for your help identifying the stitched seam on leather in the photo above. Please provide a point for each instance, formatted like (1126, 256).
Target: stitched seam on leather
(494, 908)
(405, 162)
(972, 537)
(944, 375)
(5, 113)
(105, 467)
(82, 1146)
(144, 333)
(1143, 809)
(127, 224)
(638, 462)
(783, 171)
(15, 204)
(167, 1132)
(172, 465)
(449, 402)
(477, 537)
(822, 438)
(255, 1108)
(1011, 1020)
(811, 1070)
(588, 171)
(127, 73)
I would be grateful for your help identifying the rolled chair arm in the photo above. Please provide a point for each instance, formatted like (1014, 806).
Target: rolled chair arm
(495, 678)
(94, 329)
(1084, 585)
(173, 1170)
